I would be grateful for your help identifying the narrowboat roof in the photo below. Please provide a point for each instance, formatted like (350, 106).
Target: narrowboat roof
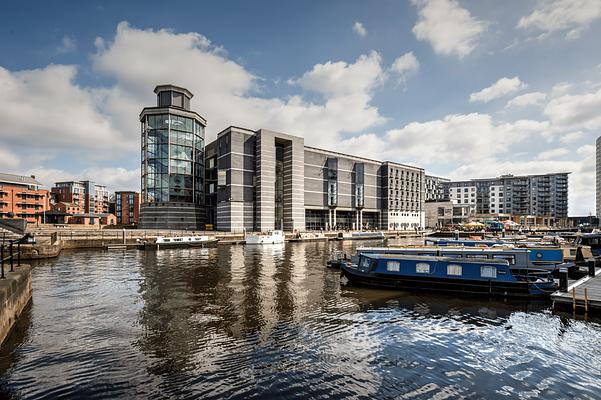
(379, 256)
(452, 249)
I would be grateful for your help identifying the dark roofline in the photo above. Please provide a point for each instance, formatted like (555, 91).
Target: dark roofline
(145, 109)
(498, 178)
(168, 86)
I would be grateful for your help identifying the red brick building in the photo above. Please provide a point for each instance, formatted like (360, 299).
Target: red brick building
(88, 196)
(21, 197)
(127, 208)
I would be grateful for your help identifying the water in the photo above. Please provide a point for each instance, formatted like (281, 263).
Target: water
(272, 322)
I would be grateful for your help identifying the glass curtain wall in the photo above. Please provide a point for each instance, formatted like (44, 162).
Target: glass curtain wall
(172, 159)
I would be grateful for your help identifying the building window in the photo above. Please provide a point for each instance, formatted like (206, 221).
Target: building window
(454, 269)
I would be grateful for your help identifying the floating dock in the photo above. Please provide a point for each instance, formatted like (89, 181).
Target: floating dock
(583, 295)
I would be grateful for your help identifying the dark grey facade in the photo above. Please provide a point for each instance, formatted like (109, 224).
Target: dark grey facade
(261, 180)
(530, 195)
(172, 142)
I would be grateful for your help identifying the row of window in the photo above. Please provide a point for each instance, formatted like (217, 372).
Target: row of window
(486, 271)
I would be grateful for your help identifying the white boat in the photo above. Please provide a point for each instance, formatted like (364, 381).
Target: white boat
(181, 241)
(271, 237)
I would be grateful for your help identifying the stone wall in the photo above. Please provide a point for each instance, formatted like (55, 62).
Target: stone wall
(15, 295)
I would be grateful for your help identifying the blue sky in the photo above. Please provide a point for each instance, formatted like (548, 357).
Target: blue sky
(465, 89)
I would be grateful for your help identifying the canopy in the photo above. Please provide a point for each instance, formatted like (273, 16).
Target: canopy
(474, 225)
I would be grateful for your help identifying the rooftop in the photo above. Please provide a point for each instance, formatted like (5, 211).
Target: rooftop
(168, 86)
(19, 179)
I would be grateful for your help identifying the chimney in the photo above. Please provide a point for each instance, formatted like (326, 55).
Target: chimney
(32, 176)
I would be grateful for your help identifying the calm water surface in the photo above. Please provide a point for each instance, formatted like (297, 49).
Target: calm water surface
(272, 322)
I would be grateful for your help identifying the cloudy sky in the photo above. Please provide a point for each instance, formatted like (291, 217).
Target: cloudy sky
(465, 89)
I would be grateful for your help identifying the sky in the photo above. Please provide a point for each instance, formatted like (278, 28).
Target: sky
(464, 89)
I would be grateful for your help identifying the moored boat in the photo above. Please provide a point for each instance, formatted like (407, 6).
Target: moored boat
(271, 237)
(491, 277)
(180, 241)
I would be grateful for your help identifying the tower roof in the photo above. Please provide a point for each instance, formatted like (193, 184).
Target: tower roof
(168, 86)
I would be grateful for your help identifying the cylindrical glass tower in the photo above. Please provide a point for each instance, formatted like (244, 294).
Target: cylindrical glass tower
(172, 161)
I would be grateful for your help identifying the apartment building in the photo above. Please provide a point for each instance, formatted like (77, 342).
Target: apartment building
(435, 188)
(22, 197)
(86, 196)
(529, 199)
(127, 207)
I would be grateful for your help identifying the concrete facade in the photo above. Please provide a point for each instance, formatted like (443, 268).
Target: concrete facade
(261, 180)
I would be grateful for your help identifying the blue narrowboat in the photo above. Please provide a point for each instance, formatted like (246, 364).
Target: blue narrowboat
(492, 277)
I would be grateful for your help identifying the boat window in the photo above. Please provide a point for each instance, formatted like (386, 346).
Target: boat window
(364, 262)
(488, 271)
(454, 269)
(393, 266)
(480, 255)
(422, 268)
(453, 255)
(509, 258)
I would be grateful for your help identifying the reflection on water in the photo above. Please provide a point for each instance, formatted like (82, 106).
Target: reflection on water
(265, 321)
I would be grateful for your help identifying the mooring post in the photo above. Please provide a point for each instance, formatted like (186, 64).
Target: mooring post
(591, 267)
(563, 279)
(18, 254)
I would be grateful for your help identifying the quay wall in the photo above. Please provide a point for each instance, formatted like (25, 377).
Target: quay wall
(15, 295)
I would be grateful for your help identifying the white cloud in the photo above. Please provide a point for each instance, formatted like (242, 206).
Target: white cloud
(528, 99)
(405, 66)
(573, 16)
(68, 44)
(571, 137)
(115, 178)
(450, 140)
(8, 160)
(498, 89)
(552, 153)
(450, 29)
(561, 88)
(359, 29)
(340, 78)
(45, 109)
(575, 111)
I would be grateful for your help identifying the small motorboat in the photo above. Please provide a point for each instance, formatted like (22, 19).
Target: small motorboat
(492, 277)
(271, 237)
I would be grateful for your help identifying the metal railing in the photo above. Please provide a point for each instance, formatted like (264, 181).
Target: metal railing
(28, 238)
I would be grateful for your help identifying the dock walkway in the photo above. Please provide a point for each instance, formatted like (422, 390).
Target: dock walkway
(584, 295)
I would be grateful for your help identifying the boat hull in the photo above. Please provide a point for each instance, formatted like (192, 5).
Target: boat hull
(489, 288)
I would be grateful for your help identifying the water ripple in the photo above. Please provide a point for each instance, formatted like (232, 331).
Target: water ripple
(236, 322)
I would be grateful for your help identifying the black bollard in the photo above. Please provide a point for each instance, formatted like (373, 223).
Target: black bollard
(18, 254)
(563, 279)
(591, 267)
(2, 259)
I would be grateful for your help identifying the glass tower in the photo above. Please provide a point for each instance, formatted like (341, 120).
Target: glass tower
(172, 156)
